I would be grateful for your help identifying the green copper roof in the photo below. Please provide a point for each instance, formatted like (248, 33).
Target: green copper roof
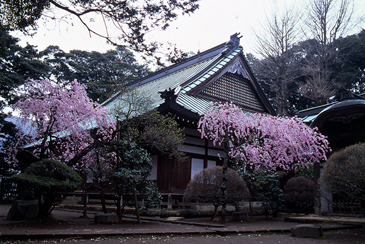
(190, 77)
(183, 78)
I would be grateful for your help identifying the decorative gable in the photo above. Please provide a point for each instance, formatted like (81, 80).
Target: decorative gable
(237, 68)
(235, 88)
(233, 81)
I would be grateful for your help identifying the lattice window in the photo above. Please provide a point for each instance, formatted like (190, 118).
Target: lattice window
(235, 88)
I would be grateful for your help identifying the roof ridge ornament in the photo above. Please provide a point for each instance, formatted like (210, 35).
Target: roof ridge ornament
(233, 43)
(235, 39)
(168, 95)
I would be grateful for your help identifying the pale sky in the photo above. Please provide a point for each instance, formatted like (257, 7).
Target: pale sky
(210, 25)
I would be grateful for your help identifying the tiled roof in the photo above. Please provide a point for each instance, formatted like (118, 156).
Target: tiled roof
(188, 78)
(179, 66)
(213, 70)
(183, 77)
(193, 103)
(174, 80)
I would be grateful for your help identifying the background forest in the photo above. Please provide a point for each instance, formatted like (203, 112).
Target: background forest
(104, 73)
(294, 81)
(306, 54)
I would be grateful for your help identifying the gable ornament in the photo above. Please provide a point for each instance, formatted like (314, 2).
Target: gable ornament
(237, 68)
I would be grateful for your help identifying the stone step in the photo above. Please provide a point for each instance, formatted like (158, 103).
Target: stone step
(307, 230)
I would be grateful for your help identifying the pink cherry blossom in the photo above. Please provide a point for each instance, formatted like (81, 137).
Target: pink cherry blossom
(262, 140)
(61, 119)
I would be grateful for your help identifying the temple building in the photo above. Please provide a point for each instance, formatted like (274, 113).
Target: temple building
(185, 91)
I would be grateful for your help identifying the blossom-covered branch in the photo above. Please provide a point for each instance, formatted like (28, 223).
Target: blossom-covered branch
(261, 140)
(61, 120)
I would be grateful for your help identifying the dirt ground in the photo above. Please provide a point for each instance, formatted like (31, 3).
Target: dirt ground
(333, 237)
(64, 221)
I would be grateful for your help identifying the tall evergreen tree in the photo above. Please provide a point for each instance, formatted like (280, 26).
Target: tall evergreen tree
(17, 64)
(350, 68)
(102, 73)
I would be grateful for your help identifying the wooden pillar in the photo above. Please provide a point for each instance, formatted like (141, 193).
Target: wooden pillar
(206, 153)
(169, 201)
(317, 194)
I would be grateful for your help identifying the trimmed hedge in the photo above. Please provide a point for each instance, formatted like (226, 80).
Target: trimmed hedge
(344, 172)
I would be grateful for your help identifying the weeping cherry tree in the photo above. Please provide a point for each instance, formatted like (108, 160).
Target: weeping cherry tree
(261, 140)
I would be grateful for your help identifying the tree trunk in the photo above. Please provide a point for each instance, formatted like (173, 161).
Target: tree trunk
(136, 203)
(119, 212)
(266, 210)
(40, 206)
(215, 215)
(237, 206)
(46, 202)
(224, 185)
(49, 204)
(86, 199)
(102, 197)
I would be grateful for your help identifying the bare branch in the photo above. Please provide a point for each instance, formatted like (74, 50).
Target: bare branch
(327, 20)
(275, 47)
(133, 18)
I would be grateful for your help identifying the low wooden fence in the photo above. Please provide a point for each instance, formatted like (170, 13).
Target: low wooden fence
(345, 206)
(169, 200)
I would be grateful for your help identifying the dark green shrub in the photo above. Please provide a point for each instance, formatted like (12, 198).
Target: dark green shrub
(190, 213)
(166, 214)
(46, 179)
(205, 187)
(344, 172)
(299, 194)
(149, 195)
(303, 171)
(149, 212)
(264, 186)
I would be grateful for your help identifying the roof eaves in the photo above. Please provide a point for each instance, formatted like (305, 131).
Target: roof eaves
(192, 103)
(318, 109)
(115, 95)
(338, 106)
(314, 110)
